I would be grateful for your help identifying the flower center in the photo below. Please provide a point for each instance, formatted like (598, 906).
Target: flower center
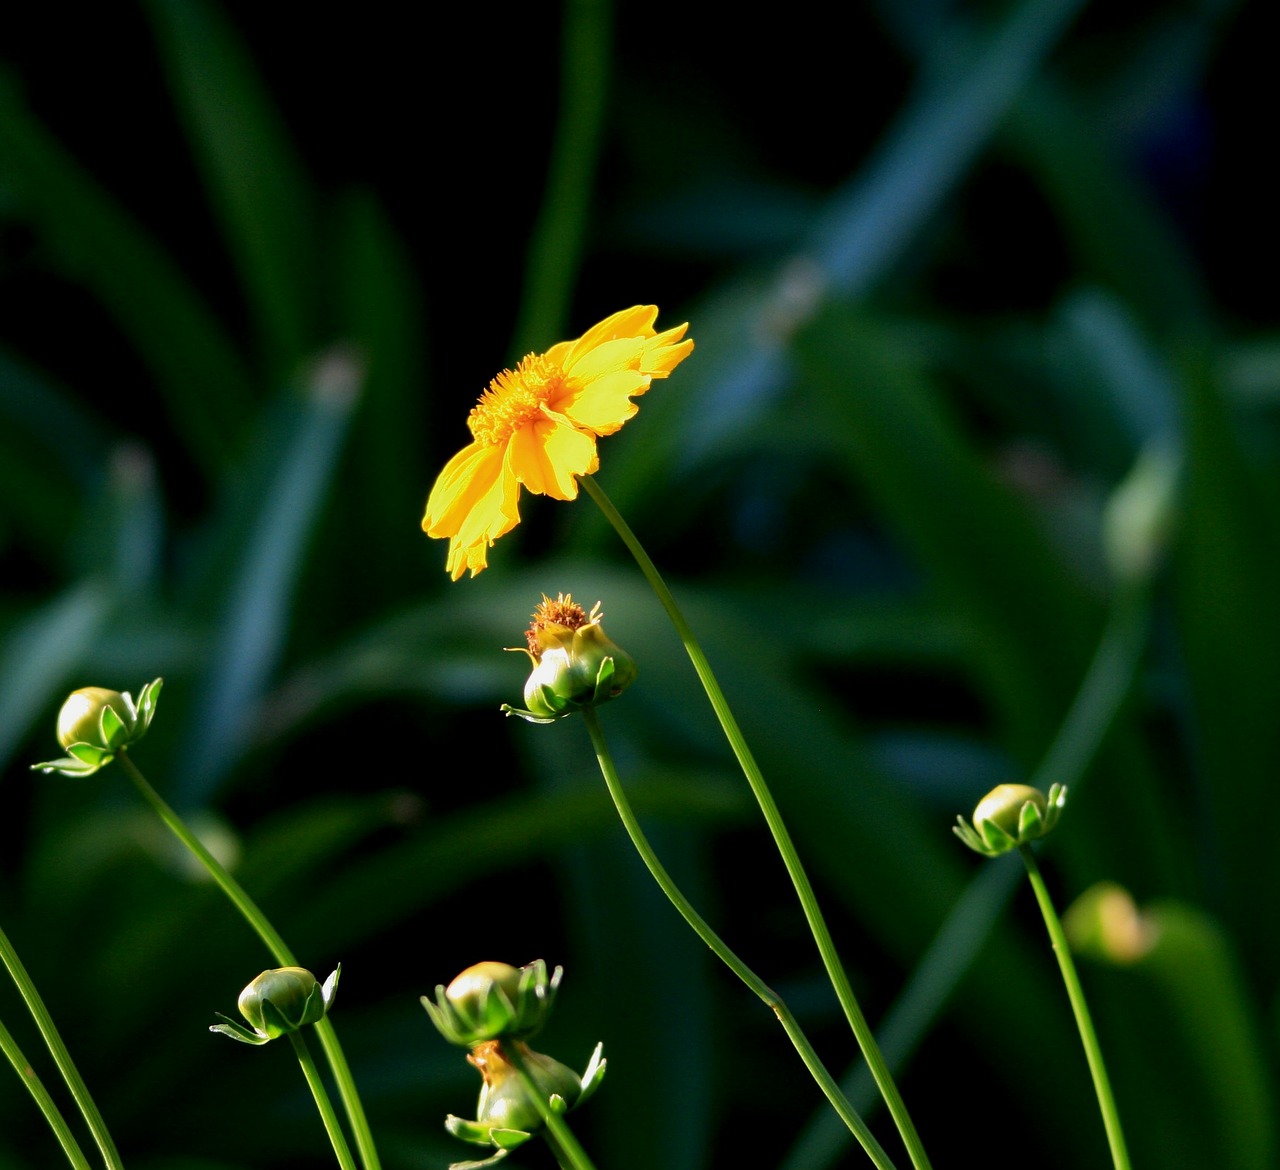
(564, 613)
(514, 399)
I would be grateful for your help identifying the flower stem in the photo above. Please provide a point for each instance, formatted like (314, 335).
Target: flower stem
(567, 1149)
(276, 945)
(782, 838)
(57, 1123)
(66, 1066)
(316, 1084)
(1084, 1022)
(826, 1082)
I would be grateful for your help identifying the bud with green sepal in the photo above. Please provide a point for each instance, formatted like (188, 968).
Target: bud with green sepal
(575, 664)
(515, 1076)
(278, 1002)
(1011, 815)
(491, 1000)
(95, 723)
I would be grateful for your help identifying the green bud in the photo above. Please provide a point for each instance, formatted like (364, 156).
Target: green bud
(575, 664)
(1011, 815)
(81, 719)
(95, 723)
(280, 1001)
(491, 1000)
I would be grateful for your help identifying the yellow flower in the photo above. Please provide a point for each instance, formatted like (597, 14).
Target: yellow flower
(536, 427)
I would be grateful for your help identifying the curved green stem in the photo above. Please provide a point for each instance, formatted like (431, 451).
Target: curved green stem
(316, 1084)
(334, 1055)
(1103, 691)
(66, 1066)
(826, 1082)
(782, 838)
(1084, 1022)
(567, 1149)
(57, 1123)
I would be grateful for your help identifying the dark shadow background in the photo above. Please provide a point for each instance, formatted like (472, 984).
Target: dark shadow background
(879, 486)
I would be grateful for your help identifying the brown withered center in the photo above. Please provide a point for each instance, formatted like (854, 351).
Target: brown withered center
(564, 611)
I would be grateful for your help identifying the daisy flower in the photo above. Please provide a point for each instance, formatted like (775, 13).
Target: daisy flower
(536, 427)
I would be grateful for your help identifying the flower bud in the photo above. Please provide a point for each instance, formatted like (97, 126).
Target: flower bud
(95, 723)
(280, 1001)
(84, 719)
(575, 664)
(1011, 815)
(491, 1000)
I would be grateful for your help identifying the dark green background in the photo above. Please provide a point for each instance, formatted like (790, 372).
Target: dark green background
(950, 268)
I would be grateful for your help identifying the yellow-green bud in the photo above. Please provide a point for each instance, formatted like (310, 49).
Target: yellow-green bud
(80, 720)
(278, 1002)
(491, 1000)
(473, 986)
(95, 723)
(1011, 815)
(575, 664)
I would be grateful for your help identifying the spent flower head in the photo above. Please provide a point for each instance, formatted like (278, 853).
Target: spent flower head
(492, 1000)
(1011, 815)
(95, 723)
(508, 1113)
(536, 427)
(575, 664)
(280, 1001)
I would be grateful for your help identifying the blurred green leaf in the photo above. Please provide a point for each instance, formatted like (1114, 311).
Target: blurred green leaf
(256, 615)
(203, 379)
(255, 179)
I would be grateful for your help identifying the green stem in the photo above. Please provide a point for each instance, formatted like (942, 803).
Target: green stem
(782, 838)
(567, 1149)
(66, 1066)
(316, 1084)
(276, 945)
(1103, 691)
(826, 1082)
(1088, 1037)
(57, 1123)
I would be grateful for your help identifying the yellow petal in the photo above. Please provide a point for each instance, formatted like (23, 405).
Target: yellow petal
(465, 478)
(636, 321)
(665, 351)
(604, 404)
(474, 501)
(547, 456)
(474, 557)
(623, 353)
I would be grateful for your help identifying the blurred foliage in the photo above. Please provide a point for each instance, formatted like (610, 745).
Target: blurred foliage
(951, 269)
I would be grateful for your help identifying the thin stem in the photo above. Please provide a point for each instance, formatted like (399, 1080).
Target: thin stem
(1093, 712)
(567, 1149)
(782, 838)
(66, 1066)
(826, 1082)
(57, 1123)
(1084, 1022)
(316, 1084)
(279, 950)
